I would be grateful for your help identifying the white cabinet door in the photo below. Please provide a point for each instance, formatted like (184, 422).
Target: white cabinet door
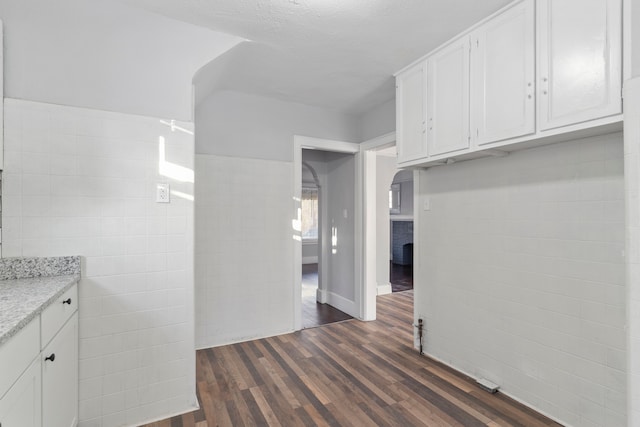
(60, 377)
(21, 405)
(579, 61)
(502, 76)
(1, 99)
(410, 114)
(448, 99)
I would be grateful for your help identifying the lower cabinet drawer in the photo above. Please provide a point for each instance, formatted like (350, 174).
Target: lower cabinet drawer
(54, 316)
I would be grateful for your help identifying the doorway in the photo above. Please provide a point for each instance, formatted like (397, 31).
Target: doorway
(315, 310)
(380, 168)
(338, 244)
(401, 231)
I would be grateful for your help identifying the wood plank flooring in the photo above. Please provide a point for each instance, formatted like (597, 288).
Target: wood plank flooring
(345, 374)
(401, 277)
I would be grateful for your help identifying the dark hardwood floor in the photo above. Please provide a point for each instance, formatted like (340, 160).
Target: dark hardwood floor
(401, 277)
(350, 373)
(313, 313)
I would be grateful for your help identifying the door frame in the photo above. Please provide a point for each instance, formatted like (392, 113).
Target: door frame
(369, 241)
(301, 142)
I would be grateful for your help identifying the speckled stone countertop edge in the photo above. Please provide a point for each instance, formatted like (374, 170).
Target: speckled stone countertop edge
(67, 281)
(25, 267)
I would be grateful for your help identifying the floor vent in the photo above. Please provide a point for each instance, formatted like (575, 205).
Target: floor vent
(487, 385)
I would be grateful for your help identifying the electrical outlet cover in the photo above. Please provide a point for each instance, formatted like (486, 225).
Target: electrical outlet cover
(162, 192)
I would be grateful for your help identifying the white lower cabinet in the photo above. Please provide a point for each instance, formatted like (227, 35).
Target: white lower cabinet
(21, 405)
(60, 377)
(40, 387)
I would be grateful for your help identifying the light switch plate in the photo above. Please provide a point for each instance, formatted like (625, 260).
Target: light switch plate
(426, 205)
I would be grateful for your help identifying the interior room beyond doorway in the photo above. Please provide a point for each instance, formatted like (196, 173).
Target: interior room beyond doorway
(327, 235)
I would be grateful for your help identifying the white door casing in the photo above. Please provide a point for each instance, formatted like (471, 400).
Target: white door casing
(305, 142)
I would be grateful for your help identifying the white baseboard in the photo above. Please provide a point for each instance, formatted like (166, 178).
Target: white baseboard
(322, 296)
(337, 301)
(172, 414)
(309, 259)
(342, 304)
(384, 289)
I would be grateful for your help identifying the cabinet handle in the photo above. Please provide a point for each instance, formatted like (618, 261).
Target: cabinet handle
(67, 301)
(51, 358)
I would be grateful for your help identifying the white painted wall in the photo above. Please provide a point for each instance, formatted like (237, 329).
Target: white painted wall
(243, 250)
(82, 182)
(248, 140)
(405, 179)
(309, 253)
(632, 192)
(235, 124)
(340, 233)
(635, 36)
(104, 55)
(385, 171)
(378, 121)
(520, 275)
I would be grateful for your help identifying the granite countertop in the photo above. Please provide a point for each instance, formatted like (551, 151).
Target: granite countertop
(29, 285)
(21, 300)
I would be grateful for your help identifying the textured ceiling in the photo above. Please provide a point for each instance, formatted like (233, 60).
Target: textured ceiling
(338, 54)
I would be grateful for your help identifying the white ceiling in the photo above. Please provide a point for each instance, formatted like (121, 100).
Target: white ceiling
(338, 54)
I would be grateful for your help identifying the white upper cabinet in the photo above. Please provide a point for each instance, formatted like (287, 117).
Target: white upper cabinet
(579, 61)
(448, 98)
(535, 72)
(1, 98)
(503, 76)
(411, 115)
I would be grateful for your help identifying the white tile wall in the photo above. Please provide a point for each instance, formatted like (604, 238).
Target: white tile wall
(521, 276)
(82, 182)
(244, 249)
